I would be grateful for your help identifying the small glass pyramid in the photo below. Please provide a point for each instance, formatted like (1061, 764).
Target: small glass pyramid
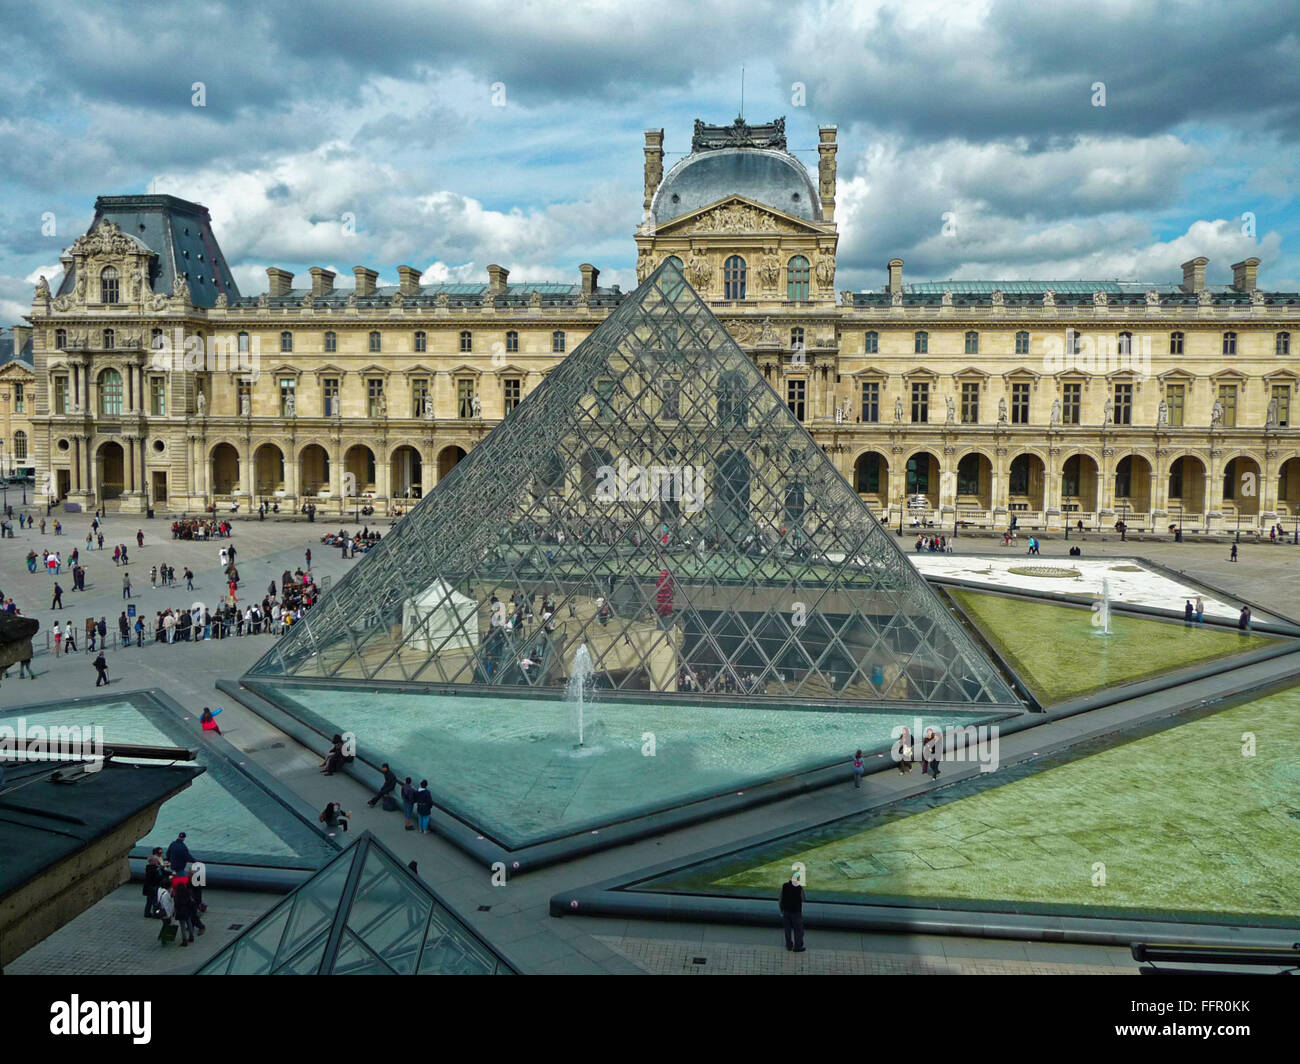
(364, 913)
(655, 502)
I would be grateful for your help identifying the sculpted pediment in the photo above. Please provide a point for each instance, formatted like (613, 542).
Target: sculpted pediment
(737, 215)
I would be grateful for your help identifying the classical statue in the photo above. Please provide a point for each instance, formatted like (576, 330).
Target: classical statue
(476, 406)
(1153, 298)
(770, 271)
(952, 410)
(826, 176)
(42, 288)
(1056, 411)
(895, 299)
(1271, 419)
(898, 408)
(1049, 298)
(1108, 412)
(699, 271)
(428, 407)
(644, 265)
(201, 403)
(290, 405)
(1216, 414)
(1162, 414)
(245, 405)
(1002, 410)
(997, 297)
(383, 405)
(767, 333)
(946, 299)
(1100, 299)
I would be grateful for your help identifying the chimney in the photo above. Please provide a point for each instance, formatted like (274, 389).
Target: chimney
(322, 281)
(497, 280)
(279, 280)
(22, 334)
(826, 171)
(895, 276)
(589, 275)
(1194, 274)
(1245, 275)
(365, 280)
(408, 280)
(654, 164)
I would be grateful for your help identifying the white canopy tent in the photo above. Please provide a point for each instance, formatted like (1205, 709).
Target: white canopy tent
(440, 618)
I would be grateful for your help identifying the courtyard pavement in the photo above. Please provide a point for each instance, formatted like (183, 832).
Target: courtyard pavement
(515, 916)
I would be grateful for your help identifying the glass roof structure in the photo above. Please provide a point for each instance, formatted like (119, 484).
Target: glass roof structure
(655, 502)
(364, 913)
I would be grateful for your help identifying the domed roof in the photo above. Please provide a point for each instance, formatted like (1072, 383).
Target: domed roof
(765, 175)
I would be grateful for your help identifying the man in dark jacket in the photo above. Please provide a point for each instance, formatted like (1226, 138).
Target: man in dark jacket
(792, 913)
(179, 856)
(389, 785)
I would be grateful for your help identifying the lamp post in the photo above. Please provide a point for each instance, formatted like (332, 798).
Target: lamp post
(1238, 509)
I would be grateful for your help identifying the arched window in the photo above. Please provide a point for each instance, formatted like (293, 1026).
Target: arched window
(733, 278)
(243, 343)
(467, 341)
(1022, 343)
(797, 277)
(675, 261)
(110, 393)
(331, 341)
(421, 341)
(286, 341)
(921, 343)
(512, 341)
(20, 446)
(109, 339)
(796, 338)
(972, 342)
(557, 342)
(108, 287)
(1125, 343)
(871, 343)
(375, 341)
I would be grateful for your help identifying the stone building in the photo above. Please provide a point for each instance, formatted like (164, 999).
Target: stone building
(157, 383)
(17, 397)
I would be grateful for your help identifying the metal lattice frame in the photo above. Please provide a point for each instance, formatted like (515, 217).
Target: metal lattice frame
(773, 579)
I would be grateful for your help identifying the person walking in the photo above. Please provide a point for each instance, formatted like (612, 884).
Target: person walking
(26, 667)
(387, 788)
(905, 751)
(56, 603)
(69, 639)
(308, 555)
(931, 753)
(1232, 556)
(126, 585)
(189, 579)
(792, 896)
(139, 631)
(424, 806)
(859, 769)
(101, 669)
(139, 538)
(58, 638)
(408, 803)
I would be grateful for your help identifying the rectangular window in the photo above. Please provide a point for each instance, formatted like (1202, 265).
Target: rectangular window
(374, 396)
(419, 390)
(1071, 402)
(1073, 342)
(795, 393)
(1282, 396)
(288, 388)
(1123, 404)
(512, 342)
(1230, 343)
(60, 395)
(329, 390)
(1176, 400)
(1020, 403)
(605, 398)
(870, 402)
(1022, 343)
(871, 343)
(920, 402)
(671, 409)
(158, 396)
(464, 397)
(1228, 397)
(513, 392)
(19, 399)
(421, 341)
(970, 403)
(1176, 343)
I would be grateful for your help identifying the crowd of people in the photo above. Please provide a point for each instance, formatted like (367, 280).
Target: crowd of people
(941, 544)
(170, 893)
(198, 528)
(358, 543)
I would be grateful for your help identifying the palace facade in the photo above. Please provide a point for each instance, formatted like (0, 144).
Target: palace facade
(157, 384)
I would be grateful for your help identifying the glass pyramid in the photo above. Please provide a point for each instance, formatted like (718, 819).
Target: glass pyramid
(364, 913)
(655, 501)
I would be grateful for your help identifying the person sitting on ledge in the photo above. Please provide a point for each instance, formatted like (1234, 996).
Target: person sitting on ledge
(334, 759)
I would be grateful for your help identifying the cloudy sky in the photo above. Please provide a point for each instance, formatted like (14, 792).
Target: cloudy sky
(458, 135)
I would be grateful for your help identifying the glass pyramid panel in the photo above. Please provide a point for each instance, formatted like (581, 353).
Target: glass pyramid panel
(655, 502)
(364, 913)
